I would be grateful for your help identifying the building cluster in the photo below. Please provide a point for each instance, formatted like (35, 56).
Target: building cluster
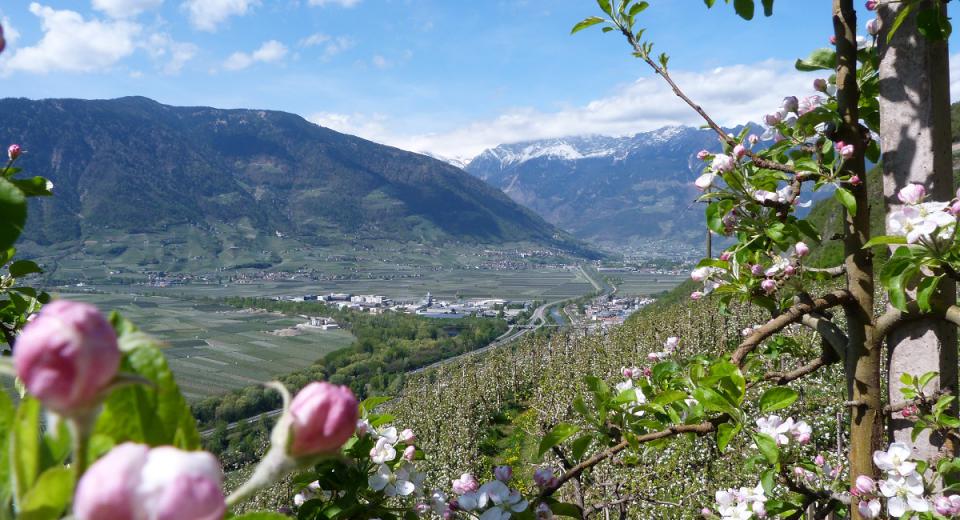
(607, 311)
(429, 306)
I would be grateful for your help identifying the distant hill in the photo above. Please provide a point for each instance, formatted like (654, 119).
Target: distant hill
(612, 191)
(132, 166)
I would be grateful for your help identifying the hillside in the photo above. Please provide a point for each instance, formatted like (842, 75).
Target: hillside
(614, 191)
(132, 167)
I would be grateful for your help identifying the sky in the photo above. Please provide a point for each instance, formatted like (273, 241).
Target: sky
(448, 77)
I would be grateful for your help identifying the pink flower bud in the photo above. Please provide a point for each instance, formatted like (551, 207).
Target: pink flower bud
(739, 151)
(773, 119)
(726, 256)
(819, 460)
(833, 39)
(700, 274)
(865, 485)
(647, 372)
(409, 453)
(847, 151)
(756, 270)
(753, 139)
(769, 286)
(503, 473)
(133, 482)
(467, 483)
(723, 163)
(820, 85)
(544, 478)
(871, 5)
(873, 27)
(801, 249)
(407, 436)
(803, 438)
(703, 155)
(696, 295)
(912, 194)
(954, 208)
(363, 428)
(67, 356)
(943, 506)
(791, 104)
(855, 180)
(706, 512)
(324, 418)
(789, 270)
(13, 152)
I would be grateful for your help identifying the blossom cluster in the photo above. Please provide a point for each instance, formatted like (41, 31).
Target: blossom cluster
(741, 504)
(771, 277)
(902, 486)
(923, 222)
(494, 500)
(782, 430)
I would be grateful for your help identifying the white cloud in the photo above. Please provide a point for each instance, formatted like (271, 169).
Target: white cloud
(71, 43)
(206, 15)
(379, 62)
(269, 52)
(332, 45)
(955, 77)
(10, 33)
(732, 95)
(341, 3)
(369, 127)
(169, 54)
(125, 8)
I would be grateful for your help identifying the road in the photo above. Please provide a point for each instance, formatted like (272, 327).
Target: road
(537, 321)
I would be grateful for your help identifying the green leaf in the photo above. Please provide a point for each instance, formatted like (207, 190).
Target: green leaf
(605, 6)
(581, 445)
(589, 22)
(767, 7)
(638, 7)
(925, 290)
(883, 240)
(155, 415)
(25, 447)
(767, 480)
(726, 432)
(820, 59)
(898, 21)
(768, 447)
(7, 417)
(847, 199)
(23, 268)
(557, 435)
(49, 496)
(368, 404)
(777, 398)
(712, 401)
(563, 509)
(34, 186)
(13, 213)
(744, 8)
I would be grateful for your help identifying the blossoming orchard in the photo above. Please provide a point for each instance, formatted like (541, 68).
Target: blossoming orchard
(101, 430)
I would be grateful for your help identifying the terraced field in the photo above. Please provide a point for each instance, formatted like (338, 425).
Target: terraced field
(213, 349)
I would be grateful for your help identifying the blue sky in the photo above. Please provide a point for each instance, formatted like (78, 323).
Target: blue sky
(447, 76)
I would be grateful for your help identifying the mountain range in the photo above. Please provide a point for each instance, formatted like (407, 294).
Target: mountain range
(612, 191)
(132, 166)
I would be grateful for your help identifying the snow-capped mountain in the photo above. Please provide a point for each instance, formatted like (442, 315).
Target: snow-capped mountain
(459, 162)
(613, 191)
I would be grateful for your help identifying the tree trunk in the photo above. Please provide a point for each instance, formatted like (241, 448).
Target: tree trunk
(916, 141)
(863, 357)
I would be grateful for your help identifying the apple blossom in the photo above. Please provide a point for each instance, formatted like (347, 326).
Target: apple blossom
(756, 270)
(871, 5)
(324, 417)
(776, 428)
(696, 295)
(13, 152)
(790, 104)
(672, 343)
(801, 432)
(67, 356)
(943, 506)
(407, 436)
(753, 139)
(382, 451)
(739, 151)
(467, 483)
(865, 485)
(135, 482)
(399, 483)
(409, 453)
(855, 180)
(544, 477)
(789, 270)
(904, 494)
(808, 104)
(820, 85)
(773, 119)
(802, 249)
(705, 181)
(543, 512)
(895, 460)
(819, 460)
(703, 155)
(726, 256)
(364, 428)
(873, 26)
(869, 508)
(503, 473)
(700, 274)
(912, 194)
(846, 150)
(769, 286)
(954, 208)
(723, 163)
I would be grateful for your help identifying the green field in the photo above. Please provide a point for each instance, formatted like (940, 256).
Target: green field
(213, 348)
(643, 284)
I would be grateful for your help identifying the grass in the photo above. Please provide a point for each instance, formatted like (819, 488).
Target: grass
(213, 349)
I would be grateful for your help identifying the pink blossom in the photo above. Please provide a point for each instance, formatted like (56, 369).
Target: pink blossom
(696, 295)
(753, 139)
(820, 85)
(954, 208)
(809, 103)
(871, 5)
(67, 356)
(847, 151)
(544, 478)
(756, 270)
(802, 249)
(773, 119)
(873, 27)
(726, 256)
(855, 180)
(324, 418)
(134, 482)
(943, 506)
(864, 485)
(769, 286)
(503, 473)
(647, 372)
(819, 460)
(13, 152)
(700, 274)
(409, 453)
(407, 436)
(703, 155)
(723, 163)
(672, 343)
(789, 270)
(467, 483)
(626, 372)
(739, 151)
(869, 509)
(706, 512)
(912, 194)
(791, 104)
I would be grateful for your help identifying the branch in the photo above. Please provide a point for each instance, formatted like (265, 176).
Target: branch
(792, 315)
(832, 272)
(831, 334)
(782, 378)
(893, 318)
